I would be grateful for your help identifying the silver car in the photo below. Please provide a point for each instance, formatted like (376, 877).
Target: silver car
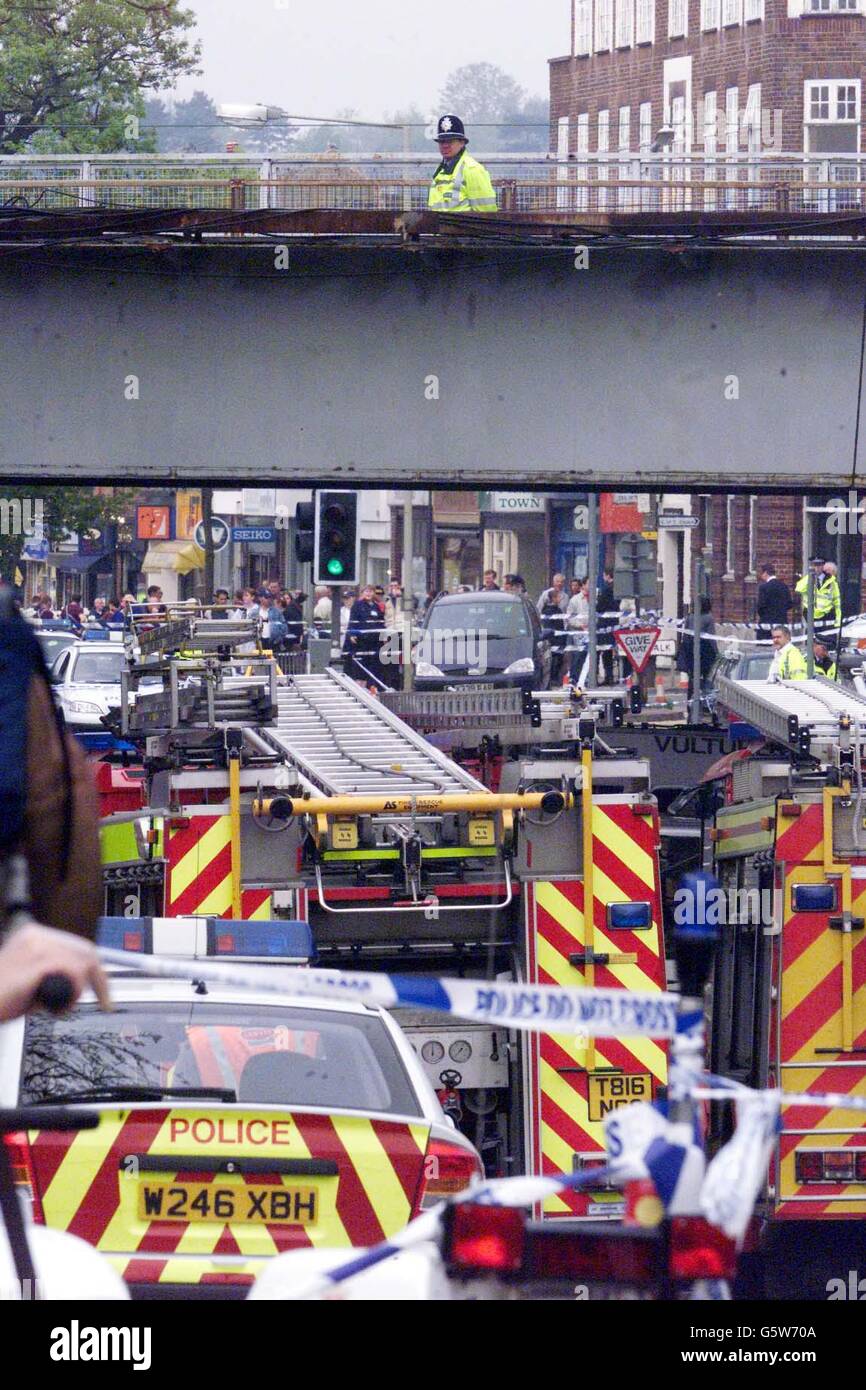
(86, 682)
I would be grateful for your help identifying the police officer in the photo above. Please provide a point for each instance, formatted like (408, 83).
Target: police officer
(824, 663)
(828, 599)
(788, 663)
(460, 184)
(361, 646)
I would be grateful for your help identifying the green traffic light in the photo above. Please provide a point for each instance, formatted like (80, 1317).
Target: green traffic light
(335, 567)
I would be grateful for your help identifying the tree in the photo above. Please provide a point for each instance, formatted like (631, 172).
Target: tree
(68, 64)
(62, 509)
(480, 92)
(525, 130)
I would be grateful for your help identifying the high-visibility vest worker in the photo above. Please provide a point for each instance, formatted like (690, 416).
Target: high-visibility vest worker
(460, 184)
(828, 598)
(788, 664)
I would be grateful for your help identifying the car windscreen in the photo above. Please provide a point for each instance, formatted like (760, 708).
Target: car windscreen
(507, 620)
(98, 667)
(757, 667)
(265, 1055)
(52, 647)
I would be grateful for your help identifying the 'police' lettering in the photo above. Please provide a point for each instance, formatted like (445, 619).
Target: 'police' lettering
(228, 1132)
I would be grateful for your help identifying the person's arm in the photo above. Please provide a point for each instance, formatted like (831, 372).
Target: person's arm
(31, 953)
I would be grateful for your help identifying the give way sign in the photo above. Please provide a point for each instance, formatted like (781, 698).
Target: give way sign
(637, 643)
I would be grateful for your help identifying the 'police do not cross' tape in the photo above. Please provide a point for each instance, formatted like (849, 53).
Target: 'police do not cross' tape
(599, 1013)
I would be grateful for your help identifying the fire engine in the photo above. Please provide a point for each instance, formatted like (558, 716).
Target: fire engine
(789, 1005)
(302, 796)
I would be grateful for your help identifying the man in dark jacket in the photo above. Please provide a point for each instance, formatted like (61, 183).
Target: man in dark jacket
(708, 649)
(606, 608)
(774, 601)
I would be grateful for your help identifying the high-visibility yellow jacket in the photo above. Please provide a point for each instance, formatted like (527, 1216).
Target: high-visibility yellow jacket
(789, 664)
(467, 188)
(828, 598)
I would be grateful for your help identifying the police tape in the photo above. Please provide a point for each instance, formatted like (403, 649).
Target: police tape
(600, 1013)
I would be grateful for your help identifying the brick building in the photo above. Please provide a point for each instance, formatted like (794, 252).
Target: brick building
(727, 75)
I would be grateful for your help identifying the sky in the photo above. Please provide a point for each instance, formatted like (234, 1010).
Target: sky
(373, 56)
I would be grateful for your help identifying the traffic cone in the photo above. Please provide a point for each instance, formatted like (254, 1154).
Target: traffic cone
(661, 695)
(682, 681)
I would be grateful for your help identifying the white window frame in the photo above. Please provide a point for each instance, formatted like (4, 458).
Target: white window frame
(583, 28)
(624, 124)
(645, 125)
(645, 21)
(710, 135)
(603, 147)
(831, 7)
(678, 19)
(624, 24)
(833, 85)
(753, 10)
(753, 536)
(730, 571)
(732, 13)
(603, 26)
(711, 14)
(732, 120)
(582, 147)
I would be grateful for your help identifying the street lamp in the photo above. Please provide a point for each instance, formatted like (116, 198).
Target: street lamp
(664, 139)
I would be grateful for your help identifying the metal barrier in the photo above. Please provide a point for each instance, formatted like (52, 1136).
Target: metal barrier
(587, 183)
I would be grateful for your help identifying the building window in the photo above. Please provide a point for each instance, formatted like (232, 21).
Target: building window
(624, 141)
(710, 10)
(826, 5)
(732, 11)
(678, 13)
(711, 133)
(753, 9)
(832, 116)
(624, 23)
(583, 28)
(730, 534)
(732, 107)
(645, 134)
(603, 165)
(753, 535)
(582, 147)
(645, 21)
(603, 25)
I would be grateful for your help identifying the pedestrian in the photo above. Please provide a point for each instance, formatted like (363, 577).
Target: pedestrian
(362, 637)
(460, 184)
(801, 588)
(607, 616)
(293, 617)
(220, 606)
(114, 615)
(394, 604)
(272, 621)
(515, 584)
(74, 612)
(774, 601)
(322, 610)
(828, 600)
(788, 662)
(552, 605)
(707, 657)
(488, 582)
(555, 596)
(825, 664)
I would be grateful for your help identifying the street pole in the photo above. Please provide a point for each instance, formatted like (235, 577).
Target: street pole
(408, 590)
(592, 552)
(810, 625)
(336, 627)
(407, 150)
(206, 520)
(697, 605)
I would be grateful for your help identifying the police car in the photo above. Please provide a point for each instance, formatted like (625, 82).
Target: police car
(234, 1125)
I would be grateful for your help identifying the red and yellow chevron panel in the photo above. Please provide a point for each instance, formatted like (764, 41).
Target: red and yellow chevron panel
(90, 1184)
(198, 881)
(625, 869)
(800, 839)
(811, 1053)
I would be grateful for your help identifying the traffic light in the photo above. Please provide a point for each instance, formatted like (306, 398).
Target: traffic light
(338, 543)
(305, 522)
(635, 568)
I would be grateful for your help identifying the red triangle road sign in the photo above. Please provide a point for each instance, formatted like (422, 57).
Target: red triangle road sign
(637, 643)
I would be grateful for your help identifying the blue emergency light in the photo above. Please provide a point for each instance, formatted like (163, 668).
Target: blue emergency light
(629, 916)
(265, 940)
(125, 934)
(813, 897)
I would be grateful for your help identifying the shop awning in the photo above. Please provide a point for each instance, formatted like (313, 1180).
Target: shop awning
(71, 562)
(189, 559)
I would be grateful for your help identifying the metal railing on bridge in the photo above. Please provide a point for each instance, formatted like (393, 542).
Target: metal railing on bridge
(583, 184)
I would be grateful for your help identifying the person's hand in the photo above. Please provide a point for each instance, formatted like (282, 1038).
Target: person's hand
(31, 953)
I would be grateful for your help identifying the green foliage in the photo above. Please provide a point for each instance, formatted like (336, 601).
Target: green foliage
(70, 67)
(64, 509)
